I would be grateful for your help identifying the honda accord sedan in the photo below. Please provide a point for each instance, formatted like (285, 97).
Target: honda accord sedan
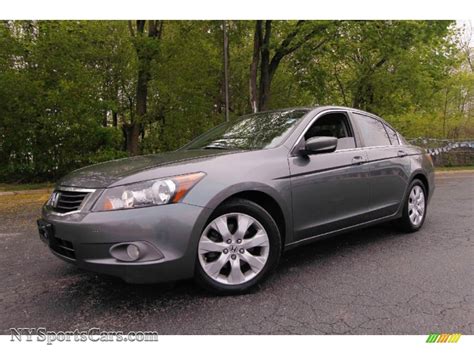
(223, 208)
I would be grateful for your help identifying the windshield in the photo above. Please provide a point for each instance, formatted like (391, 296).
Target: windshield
(256, 131)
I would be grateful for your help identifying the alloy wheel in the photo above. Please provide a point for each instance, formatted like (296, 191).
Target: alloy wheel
(416, 205)
(233, 248)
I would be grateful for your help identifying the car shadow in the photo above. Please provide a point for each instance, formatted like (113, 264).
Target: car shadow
(111, 292)
(326, 248)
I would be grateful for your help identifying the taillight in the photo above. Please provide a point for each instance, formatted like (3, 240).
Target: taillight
(428, 156)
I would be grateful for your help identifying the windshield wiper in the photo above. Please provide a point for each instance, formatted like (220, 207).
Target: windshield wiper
(217, 147)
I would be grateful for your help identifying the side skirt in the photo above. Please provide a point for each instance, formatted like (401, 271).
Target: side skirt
(342, 231)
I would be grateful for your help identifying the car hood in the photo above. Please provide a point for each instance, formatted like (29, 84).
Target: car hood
(104, 174)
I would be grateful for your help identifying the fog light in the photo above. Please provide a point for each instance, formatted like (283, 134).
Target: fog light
(133, 251)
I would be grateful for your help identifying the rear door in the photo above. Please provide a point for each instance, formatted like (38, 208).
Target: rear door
(329, 190)
(388, 165)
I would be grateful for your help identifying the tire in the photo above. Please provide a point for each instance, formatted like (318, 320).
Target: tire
(408, 222)
(234, 240)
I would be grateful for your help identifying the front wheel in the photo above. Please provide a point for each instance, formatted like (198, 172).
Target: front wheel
(414, 209)
(239, 246)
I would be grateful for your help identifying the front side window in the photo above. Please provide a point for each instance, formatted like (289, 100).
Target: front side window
(333, 125)
(372, 131)
(257, 131)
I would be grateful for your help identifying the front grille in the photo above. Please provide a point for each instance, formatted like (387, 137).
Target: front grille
(62, 247)
(69, 201)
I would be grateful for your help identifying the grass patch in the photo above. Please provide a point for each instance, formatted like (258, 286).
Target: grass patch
(454, 168)
(17, 203)
(22, 187)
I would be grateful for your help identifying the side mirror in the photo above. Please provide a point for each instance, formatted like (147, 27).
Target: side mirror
(315, 145)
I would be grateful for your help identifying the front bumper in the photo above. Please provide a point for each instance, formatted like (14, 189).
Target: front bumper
(173, 230)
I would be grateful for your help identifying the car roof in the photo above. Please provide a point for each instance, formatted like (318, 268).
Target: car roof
(320, 108)
(317, 109)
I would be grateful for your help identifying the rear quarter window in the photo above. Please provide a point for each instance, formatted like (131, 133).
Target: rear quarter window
(393, 135)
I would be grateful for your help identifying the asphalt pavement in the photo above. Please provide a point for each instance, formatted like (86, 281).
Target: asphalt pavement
(373, 281)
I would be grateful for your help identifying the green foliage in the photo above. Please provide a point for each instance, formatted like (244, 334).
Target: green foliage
(67, 88)
(187, 82)
(52, 94)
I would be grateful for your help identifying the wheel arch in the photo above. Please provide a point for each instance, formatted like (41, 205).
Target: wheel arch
(268, 199)
(422, 177)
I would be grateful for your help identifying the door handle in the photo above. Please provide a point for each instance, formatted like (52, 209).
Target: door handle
(358, 159)
(402, 153)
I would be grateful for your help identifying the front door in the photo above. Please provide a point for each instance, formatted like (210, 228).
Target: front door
(330, 191)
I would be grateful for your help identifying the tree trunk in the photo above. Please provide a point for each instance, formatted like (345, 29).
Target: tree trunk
(145, 57)
(226, 69)
(141, 106)
(114, 119)
(132, 132)
(260, 92)
(341, 87)
(104, 119)
(257, 41)
(445, 114)
(360, 97)
(265, 79)
(364, 96)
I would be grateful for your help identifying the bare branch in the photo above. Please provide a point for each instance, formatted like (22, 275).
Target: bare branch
(341, 86)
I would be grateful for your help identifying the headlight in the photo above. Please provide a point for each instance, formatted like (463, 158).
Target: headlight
(147, 193)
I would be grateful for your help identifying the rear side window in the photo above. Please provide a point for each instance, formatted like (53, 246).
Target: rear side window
(372, 131)
(392, 135)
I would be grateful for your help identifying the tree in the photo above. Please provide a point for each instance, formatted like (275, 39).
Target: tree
(146, 46)
(264, 66)
(73, 93)
(52, 98)
(380, 66)
(186, 93)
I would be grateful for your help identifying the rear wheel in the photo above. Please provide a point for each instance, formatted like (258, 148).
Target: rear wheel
(414, 209)
(239, 246)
